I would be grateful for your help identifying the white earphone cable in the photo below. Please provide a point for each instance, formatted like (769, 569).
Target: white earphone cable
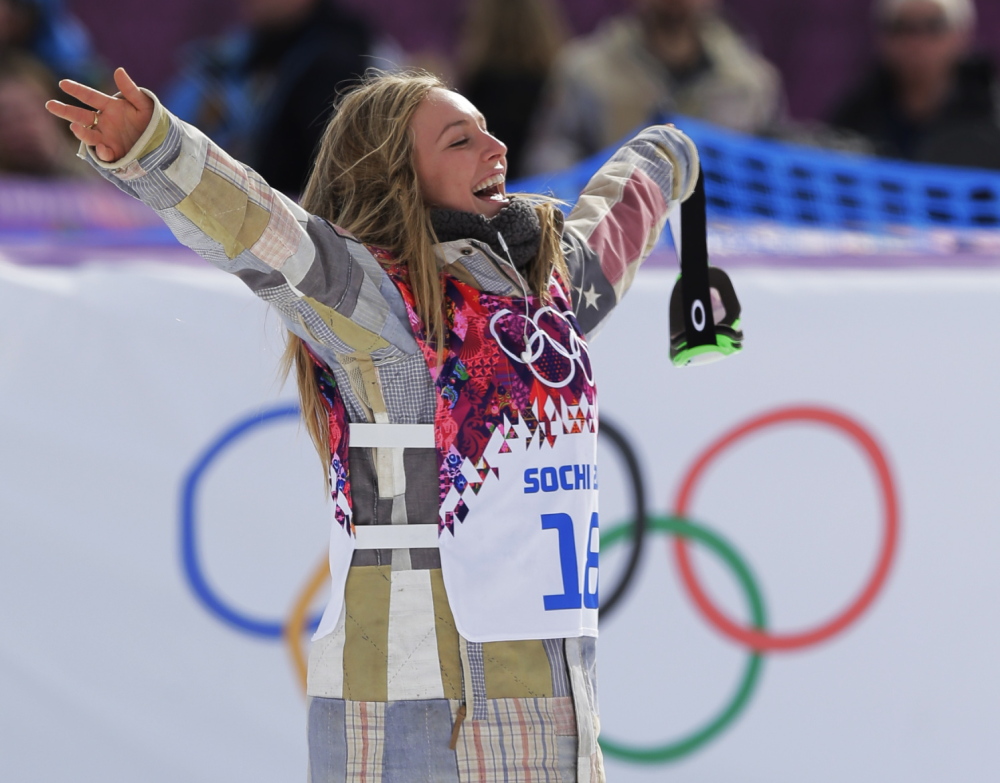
(526, 353)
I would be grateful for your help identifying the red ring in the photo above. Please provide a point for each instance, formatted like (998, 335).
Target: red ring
(760, 640)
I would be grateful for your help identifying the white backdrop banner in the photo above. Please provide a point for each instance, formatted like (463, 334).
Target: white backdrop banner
(163, 516)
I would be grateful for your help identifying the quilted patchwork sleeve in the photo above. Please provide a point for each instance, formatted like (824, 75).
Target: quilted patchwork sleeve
(325, 283)
(620, 214)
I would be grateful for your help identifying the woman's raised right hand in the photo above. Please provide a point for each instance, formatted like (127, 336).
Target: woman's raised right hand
(114, 123)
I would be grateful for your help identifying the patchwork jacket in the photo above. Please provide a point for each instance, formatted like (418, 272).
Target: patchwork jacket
(396, 637)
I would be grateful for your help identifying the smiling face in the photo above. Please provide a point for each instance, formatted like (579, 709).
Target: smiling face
(459, 164)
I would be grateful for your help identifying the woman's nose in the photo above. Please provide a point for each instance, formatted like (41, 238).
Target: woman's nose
(495, 148)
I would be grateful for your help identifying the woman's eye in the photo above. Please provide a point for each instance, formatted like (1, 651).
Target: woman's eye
(459, 143)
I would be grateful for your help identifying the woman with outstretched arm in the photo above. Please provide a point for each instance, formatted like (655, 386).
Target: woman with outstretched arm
(438, 328)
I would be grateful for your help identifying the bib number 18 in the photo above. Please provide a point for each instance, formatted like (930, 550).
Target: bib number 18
(574, 595)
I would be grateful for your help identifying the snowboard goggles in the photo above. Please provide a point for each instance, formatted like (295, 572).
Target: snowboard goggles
(701, 330)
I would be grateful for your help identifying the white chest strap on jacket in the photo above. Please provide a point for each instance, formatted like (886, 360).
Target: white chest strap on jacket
(695, 337)
(394, 436)
(391, 436)
(422, 536)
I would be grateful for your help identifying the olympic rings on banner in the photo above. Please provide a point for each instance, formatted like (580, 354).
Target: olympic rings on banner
(755, 637)
(189, 544)
(671, 751)
(758, 639)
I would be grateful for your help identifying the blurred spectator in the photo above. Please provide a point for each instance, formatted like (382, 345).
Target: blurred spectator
(504, 56)
(265, 91)
(32, 141)
(927, 99)
(666, 56)
(44, 29)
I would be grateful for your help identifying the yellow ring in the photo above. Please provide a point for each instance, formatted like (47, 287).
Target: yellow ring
(295, 628)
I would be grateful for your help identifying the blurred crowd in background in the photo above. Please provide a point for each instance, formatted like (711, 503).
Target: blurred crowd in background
(557, 80)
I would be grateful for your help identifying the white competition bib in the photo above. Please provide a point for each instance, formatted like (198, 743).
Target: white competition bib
(524, 562)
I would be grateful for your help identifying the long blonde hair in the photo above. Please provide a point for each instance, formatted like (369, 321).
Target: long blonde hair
(364, 180)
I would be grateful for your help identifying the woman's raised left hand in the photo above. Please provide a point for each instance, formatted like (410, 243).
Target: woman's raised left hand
(113, 124)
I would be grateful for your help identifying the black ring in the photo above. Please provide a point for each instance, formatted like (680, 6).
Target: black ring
(638, 516)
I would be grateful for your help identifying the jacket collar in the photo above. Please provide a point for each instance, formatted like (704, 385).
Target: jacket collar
(474, 263)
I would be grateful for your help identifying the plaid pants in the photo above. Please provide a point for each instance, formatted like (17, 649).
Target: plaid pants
(519, 741)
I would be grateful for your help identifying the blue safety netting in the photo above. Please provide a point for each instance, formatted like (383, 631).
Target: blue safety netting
(750, 179)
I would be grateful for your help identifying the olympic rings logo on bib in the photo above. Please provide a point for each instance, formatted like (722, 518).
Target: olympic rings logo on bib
(536, 339)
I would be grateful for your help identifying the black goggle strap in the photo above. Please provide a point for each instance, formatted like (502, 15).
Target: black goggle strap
(688, 226)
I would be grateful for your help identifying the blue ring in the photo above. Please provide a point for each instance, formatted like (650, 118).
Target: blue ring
(189, 551)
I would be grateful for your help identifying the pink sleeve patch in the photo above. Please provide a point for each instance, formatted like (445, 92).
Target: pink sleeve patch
(620, 238)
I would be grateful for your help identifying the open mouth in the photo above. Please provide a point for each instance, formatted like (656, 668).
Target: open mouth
(491, 189)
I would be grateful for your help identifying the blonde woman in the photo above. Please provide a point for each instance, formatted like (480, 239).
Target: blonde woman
(439, 329)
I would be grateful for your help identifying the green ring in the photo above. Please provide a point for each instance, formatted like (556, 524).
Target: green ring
(659, 754)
